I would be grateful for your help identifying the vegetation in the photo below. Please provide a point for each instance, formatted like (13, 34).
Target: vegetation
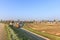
(45, 34)
(17, 33)
(11, 34)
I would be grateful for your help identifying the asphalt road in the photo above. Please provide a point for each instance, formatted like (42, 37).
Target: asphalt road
(32, 36)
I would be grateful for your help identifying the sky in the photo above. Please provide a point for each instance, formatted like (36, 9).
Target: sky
(30, 9)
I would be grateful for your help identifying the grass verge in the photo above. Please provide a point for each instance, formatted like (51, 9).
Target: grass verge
(11, 34)
(8, 38)
(20, 34)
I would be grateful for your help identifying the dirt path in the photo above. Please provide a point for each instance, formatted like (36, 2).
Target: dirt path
(3, 35)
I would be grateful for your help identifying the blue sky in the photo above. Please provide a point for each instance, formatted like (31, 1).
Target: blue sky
(30, 9)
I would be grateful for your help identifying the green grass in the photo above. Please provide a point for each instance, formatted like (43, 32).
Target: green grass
(8, 38)
(20, 34)
(50, 36)
(10, 33)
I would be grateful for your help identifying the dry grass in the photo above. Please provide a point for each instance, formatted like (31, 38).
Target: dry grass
(51, 28)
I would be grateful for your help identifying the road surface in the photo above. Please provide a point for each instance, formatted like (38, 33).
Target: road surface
(34, 35)
(31, 35)
(2, 32)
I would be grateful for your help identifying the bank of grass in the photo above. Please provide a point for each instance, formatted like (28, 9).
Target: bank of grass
(50, 36)
(8, 38)
(20, 34)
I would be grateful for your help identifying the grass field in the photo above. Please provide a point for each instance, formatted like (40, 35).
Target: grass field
(49, 30)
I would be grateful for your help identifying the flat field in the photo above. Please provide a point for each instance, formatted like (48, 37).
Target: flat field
(49, 28)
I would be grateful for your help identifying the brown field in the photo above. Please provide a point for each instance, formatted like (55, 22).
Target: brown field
(51, 28)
